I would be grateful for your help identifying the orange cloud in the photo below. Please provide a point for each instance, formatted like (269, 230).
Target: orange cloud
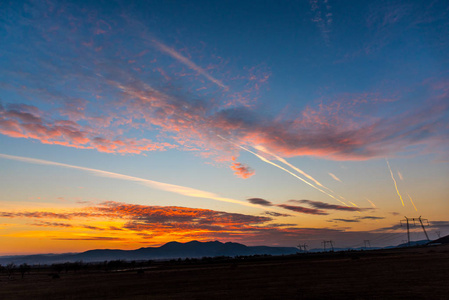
(241, 170)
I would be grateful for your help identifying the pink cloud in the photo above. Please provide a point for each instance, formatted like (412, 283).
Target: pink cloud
(241, 170)
(27, 122)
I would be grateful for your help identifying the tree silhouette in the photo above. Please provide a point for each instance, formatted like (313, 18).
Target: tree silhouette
(10, 268)
(23, 268)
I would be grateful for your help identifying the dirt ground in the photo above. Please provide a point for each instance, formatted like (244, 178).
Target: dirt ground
(421, 273)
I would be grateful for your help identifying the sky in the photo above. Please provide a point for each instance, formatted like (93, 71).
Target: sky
(128, 124)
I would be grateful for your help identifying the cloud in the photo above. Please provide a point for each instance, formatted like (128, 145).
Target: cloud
(299, 209)
(357, 219)
(346, 220)
(323, 205)
(142, 217)
(122, 108)
(144, 223)
(275, 214)
(91, 238)
(242, 170)
(181, 190)
(52, 224)
(37, 214)
(303, 210)
(176, 55)
(25, 121)
(371, 218)
(260, 201)
(322, 17)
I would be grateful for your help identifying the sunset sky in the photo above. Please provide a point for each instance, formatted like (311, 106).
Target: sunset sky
(128, 124)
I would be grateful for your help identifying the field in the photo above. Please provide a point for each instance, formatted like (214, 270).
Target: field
(421, 273)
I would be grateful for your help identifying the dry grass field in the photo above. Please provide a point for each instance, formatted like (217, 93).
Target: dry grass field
(415, 273)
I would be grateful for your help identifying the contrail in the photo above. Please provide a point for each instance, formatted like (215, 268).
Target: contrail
(412, 202)
(282, 168)
(173, 53)
(372, 204)
(353, 204)
(177, 189)
(395, 185)
(334, 176)
(282, 160)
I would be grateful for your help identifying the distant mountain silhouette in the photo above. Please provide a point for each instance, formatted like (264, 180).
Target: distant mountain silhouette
(171, 250)
(443, 240)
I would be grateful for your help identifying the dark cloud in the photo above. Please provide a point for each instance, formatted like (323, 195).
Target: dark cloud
(51, 224)
(260, 201)
(91, 238)
(142, 217)
(345, 220)
(36, 214)
(276, 214)
(303, 210)
(371, 218)
(323, 205)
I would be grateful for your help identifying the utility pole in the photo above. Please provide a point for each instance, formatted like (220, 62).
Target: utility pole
(408, 230)
(367, 243)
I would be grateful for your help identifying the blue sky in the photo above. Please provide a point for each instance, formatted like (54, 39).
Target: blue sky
(238, 100)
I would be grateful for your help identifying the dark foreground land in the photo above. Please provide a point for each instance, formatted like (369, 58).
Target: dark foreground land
(414, 273)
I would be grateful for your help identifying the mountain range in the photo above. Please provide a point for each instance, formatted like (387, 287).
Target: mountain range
(171, 250)
(174, 250)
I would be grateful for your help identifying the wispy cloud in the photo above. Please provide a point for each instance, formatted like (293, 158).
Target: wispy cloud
(25, 121)
(187, 117)
(323, 17)
(176, 55)
(181, 190)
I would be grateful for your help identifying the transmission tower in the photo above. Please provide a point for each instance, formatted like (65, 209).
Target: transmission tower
(420, 219)
(367, 243)
(303, 247)
(328, 242)
(408, 229)
(422, 225)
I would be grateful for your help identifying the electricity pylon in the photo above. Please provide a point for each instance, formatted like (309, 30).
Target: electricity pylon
(303, 247)
(420, 219)
(367, 243)
(328, 242)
